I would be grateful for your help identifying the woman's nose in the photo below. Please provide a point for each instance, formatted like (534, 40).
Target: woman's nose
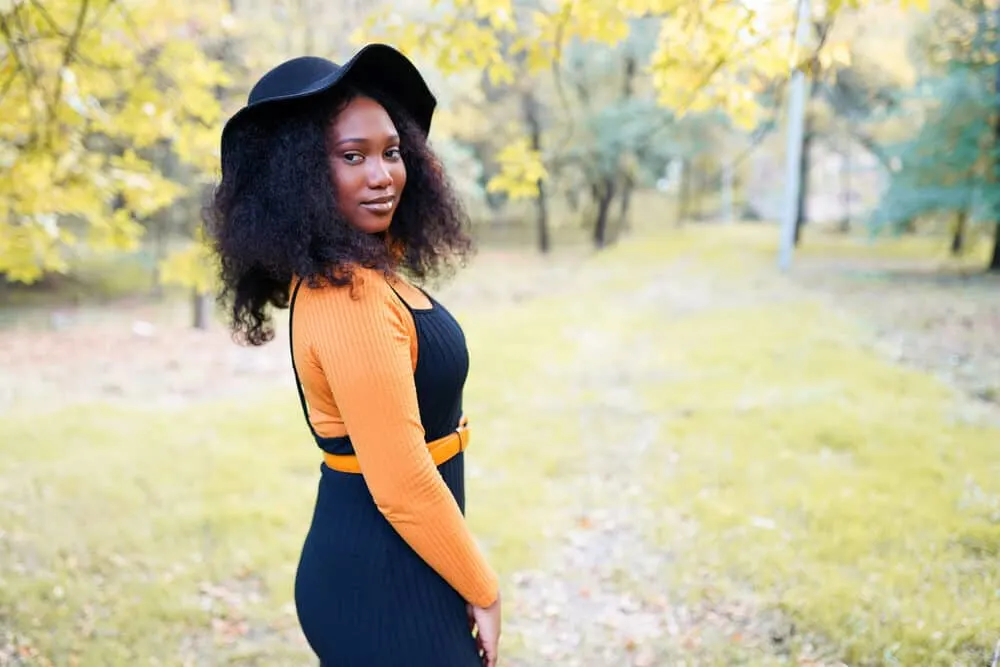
(379, 176)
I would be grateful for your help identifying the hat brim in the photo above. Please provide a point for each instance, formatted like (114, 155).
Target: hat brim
(377, 64)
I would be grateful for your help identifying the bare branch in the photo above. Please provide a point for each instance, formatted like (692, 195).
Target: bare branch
(557, 61)
(26, 56)
(29, 75)
(12, 47)
(68, 54)
(100, 15)
(48, 18)
(8, 83)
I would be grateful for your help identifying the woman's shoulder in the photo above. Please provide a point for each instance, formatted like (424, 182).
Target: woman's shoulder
(367, 289)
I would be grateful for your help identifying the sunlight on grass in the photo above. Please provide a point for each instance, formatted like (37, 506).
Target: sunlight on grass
(788, 460)
(822, 243)
(841, 486)
(141, 537)
(129, 531)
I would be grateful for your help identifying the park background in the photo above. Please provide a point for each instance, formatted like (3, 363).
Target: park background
(733, 321)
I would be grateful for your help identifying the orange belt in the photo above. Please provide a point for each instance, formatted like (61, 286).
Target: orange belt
(441, 450)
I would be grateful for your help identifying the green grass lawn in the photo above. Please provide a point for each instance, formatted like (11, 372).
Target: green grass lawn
(790, 460)
(141, 537)
(844, 490)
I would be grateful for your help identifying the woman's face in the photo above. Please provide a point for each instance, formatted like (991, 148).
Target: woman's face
(366, 165)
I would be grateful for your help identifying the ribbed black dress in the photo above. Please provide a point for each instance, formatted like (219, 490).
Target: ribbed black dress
(364, 597)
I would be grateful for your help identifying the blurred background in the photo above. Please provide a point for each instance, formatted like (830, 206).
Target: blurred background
(734, 323)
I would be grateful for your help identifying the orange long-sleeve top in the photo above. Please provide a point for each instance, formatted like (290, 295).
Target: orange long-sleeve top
(356, 351)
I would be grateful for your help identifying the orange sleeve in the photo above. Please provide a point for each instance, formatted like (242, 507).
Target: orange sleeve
(362, 341)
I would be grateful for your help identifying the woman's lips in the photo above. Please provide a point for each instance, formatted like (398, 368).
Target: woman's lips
(379, 204)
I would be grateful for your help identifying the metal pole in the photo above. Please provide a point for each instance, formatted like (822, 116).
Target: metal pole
(793, 151)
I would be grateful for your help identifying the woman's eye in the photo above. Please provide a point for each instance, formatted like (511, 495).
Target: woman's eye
(352, 158)
(393, 154)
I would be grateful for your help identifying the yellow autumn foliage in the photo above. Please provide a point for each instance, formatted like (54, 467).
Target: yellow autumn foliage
(521, 169)
(91, 91)
(717, 58)
(710, 56)
(193, 266)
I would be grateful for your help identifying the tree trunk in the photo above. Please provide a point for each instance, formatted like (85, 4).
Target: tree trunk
(531, 118)
(630, 71)
(995, 260)
(958, 238)
(695, 184)
(684, 192)
(606, 196)
(626, 201)
(162, 225)
(202, 310)
(845, 188)
(728, 197)
(159, 254)
(544, 240)
(631, 67)
(802, 215)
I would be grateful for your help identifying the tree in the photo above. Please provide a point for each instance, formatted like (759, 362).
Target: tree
(90, 91)
(714, 57)
(950, 166)
(703, 58)
(616, 134)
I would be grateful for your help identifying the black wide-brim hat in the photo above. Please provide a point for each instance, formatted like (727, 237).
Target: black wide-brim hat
(306, 76)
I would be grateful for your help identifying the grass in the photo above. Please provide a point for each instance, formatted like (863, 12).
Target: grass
(138, 537)
(118, 519)
(95, 281)
(790, 460)
(842, 487)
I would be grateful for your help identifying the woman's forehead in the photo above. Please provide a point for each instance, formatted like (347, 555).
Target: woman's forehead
(361, 118)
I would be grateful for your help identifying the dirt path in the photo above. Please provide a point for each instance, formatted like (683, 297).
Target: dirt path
(584, 606)
(600, 599)
(146, 353)
(597, 597)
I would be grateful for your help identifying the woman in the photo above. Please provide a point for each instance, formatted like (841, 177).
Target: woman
(329, 194)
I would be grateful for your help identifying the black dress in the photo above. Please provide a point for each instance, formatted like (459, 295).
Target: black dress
(364, 597)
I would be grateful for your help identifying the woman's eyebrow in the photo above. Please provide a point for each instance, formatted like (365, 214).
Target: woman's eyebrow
(360, 140)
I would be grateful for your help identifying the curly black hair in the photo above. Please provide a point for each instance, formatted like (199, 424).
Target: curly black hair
(273, 215)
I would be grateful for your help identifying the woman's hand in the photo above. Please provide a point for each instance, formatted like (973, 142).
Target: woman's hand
(486, 620)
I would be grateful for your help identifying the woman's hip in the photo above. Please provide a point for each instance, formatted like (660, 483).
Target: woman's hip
(364, 597)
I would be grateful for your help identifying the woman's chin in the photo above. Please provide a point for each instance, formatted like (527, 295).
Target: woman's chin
(373, 225)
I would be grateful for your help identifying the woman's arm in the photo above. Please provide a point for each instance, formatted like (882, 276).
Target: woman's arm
(362, 343)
